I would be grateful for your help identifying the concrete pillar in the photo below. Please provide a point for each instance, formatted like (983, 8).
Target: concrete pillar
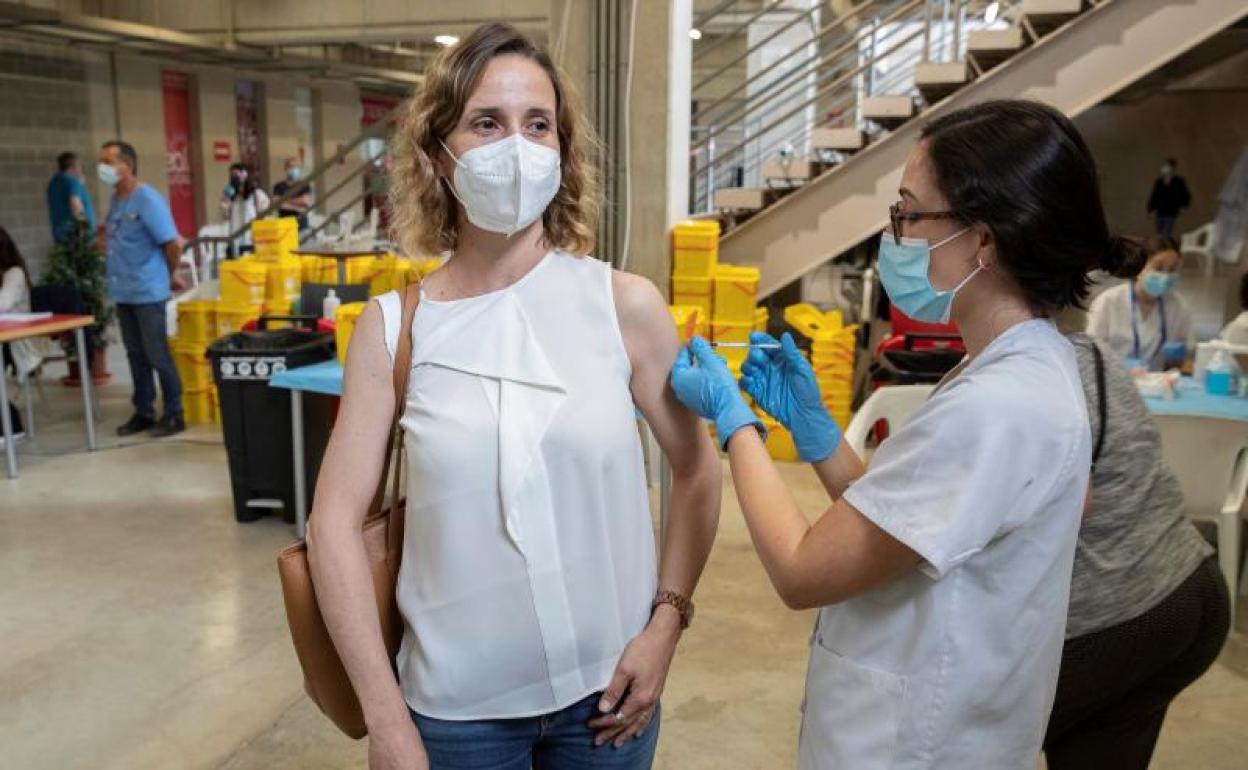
(281, 135)
(340, 110)
(215, 122)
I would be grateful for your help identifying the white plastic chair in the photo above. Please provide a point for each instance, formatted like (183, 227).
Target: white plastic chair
(893, 404)
(1210, 458)
(1199, 243)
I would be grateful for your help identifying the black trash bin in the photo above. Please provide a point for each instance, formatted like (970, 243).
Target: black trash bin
(256, 419)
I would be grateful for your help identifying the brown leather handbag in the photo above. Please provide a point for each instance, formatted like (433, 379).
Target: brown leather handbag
(324, 677)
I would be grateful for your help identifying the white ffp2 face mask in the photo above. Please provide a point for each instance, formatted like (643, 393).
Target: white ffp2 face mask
(506, 185)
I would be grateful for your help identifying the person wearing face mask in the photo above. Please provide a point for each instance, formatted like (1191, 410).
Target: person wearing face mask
(241, 201)
(1145, 322)
(538, 625)
(941, 570)
(297, 194)
(1168, 198)
(143, 253)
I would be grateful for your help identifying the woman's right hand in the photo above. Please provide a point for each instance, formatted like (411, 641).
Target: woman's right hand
(782, 382)
(397, 748)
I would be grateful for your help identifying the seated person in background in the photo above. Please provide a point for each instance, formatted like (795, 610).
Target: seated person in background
(1236, 332)
(1148, 607)
(1144, 321)
(298, 205)
(21, 355)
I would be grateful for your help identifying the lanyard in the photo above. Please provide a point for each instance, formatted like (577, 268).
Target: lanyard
(1135, 332)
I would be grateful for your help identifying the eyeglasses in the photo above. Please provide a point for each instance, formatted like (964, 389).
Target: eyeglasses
(896, 216)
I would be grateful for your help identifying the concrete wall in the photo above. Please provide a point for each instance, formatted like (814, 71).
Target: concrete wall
(57, 99)
(47, 109)
(1205, 131)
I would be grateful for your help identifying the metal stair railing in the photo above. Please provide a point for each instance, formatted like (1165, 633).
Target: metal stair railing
(872, 48)
(379, 129)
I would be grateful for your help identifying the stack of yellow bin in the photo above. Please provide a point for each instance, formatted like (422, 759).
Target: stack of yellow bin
(344, 326)
(197, 328)
(831, 355)
(733, 311)
(275, 238)
(695, 255)
(244, 285)
(689, 321)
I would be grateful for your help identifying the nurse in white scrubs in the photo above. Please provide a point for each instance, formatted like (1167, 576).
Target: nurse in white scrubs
(942, 571)
(1145, 321)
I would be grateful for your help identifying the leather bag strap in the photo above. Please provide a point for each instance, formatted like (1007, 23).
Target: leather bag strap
(394, 443)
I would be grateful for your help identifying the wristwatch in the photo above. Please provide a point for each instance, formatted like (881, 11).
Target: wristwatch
(683, 606)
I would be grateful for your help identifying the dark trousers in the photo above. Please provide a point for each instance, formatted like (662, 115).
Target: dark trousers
(144, 331)
(9, 364)
(1165, 224)
(1116, 684)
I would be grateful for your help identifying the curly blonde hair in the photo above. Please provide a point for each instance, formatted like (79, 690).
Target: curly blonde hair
(425, 215)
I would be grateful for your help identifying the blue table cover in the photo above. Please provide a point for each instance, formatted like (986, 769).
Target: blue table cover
(325, 377)
(1192, 401)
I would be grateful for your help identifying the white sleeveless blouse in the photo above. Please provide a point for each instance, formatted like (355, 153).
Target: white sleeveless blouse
(529, 555)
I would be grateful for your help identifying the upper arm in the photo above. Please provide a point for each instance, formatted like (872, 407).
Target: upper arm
(357, 446)
(652, 344)
(969, 467)
(846, 550)
(158, 219)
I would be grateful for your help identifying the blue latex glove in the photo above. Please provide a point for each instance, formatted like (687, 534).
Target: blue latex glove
(782, 382)
(702, 382)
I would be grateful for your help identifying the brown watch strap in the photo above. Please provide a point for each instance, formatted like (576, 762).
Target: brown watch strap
(682, 604)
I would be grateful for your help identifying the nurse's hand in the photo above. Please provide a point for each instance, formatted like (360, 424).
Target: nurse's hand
(782, 382)
(702, 382)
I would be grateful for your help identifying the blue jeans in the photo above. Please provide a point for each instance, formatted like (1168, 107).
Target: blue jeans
(1165, 225)
(144, 332)
(558, 741)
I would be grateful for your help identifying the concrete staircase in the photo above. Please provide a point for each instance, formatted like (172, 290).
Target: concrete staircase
(1069, 53)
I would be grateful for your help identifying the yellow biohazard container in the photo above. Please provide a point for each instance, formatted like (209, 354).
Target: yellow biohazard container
(695, 292)
(426, 265)
(243, 281)
(686, 319)
(197, 320)
(274, 238)
(360, 269)
(382, 279)
(736, 290)
(344, 322)
(197, 406)
(194, 369)
(230, 318)
(699, 234)
(779, 441)
(762, 316)
(285, 276)
(731, 331)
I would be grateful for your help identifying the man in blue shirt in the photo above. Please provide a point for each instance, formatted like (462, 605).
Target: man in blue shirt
(69, 204)
(141, 267)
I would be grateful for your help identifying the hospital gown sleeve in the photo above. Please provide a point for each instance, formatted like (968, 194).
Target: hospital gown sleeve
(970, 466)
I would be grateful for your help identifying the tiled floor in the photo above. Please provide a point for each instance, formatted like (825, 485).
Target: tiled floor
(142, 627)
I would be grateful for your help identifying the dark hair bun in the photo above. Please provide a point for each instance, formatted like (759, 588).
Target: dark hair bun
(1125, 257)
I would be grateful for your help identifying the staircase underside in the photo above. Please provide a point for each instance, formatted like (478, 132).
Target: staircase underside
(1106, 49)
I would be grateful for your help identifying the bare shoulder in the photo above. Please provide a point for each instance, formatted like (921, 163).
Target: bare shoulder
(638, 302)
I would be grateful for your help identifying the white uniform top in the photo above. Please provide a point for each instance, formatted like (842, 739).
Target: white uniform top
(1113, 320)
(528, 556)
(1236, 332)
(954, 665)
(15, 298)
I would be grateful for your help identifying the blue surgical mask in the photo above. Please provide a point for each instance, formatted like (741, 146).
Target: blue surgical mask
(1157, 284)
(903, 271)
(108, 175)
(293, 173)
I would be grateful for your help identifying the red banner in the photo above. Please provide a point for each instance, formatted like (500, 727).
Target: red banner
(247, 115)
(375, 107)
(178, 151)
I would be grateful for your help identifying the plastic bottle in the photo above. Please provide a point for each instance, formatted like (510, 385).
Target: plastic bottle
(329, 305)
(1220, 376)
